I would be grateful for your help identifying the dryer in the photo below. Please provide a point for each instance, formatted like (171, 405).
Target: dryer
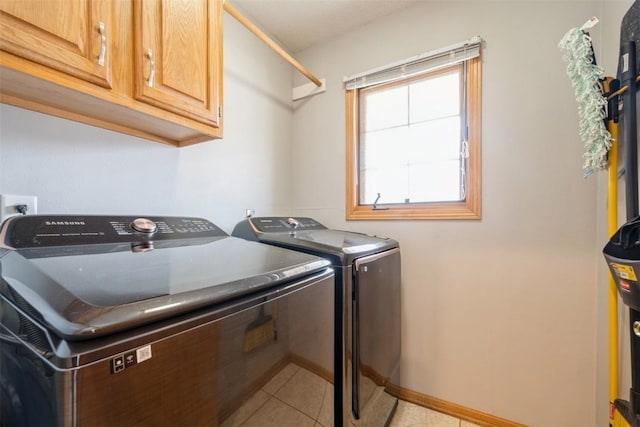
(367, 307)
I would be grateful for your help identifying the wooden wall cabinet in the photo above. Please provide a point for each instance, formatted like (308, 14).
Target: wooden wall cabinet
(76, 43)
(162, 79)
(148, 68)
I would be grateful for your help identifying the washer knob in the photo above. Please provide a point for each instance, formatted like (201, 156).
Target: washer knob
(144, 225)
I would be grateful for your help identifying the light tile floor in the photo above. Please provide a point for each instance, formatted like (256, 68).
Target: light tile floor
(293, 397)
(410, 415)
(303, 399)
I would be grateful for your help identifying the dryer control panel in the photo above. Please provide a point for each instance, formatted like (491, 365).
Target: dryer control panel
(277, 224)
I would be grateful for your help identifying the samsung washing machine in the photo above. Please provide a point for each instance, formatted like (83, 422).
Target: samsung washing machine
(159, 321)
(367, 308)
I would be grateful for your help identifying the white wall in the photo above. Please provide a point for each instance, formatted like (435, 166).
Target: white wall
(499, 315)
(502, 315)
(76, 168)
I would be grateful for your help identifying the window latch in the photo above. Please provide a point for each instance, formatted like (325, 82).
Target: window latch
(375, 204)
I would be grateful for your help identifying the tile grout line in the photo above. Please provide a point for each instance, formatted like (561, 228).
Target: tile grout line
(270, 396)
(284, 383)
(324, 397)
(244, 422)
(293, 407)
(316, 419)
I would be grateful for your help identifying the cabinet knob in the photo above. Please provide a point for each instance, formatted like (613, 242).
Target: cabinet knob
(152, 68)
(103, 44)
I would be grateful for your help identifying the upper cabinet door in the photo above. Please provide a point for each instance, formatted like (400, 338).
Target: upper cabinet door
(71, 36)
(178, 53)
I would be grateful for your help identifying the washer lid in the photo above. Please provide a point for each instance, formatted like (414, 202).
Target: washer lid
(85, 291)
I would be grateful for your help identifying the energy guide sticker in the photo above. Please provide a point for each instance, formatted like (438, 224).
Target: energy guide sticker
(143, 353)
(624, 271)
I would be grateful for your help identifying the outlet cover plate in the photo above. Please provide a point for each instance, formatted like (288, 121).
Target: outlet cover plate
(9, 201)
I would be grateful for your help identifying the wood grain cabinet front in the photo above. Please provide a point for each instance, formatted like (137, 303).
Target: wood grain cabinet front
(72, 36)
(148, 68)
(172, 72)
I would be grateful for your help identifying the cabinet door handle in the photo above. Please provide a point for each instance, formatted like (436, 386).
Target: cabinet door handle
(103, 44)
(152, 68)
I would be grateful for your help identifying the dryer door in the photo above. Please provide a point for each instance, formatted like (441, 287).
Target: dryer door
(376, 332)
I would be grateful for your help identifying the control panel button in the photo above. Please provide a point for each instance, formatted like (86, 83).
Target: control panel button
(144, 225)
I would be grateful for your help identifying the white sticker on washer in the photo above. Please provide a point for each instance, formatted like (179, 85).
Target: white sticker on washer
(143, 353)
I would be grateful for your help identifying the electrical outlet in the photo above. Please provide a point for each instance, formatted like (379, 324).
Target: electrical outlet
(248, 213)
(8, 204)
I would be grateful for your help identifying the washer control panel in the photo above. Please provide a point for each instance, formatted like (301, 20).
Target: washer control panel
(31, 231)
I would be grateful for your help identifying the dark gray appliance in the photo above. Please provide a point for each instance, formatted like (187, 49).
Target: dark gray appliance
(367, 274)
(125, 321)
(622, 254)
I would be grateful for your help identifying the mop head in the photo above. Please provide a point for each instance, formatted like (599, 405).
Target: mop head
(585, 78)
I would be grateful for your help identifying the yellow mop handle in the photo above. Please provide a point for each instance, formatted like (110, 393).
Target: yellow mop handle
(613, 292)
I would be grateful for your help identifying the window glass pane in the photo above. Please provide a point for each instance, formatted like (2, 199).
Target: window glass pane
(434, 181)
(391, 182)
(436, 97)
(384, 148)
(435, 140)
(385, 108)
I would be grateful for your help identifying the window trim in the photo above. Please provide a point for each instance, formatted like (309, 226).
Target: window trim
(470, 208)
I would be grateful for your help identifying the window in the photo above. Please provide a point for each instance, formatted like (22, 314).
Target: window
(413, 139)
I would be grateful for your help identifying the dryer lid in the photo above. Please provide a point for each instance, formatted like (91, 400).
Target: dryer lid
(312, 237)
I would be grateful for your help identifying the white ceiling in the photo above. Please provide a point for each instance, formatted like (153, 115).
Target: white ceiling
(298, 24)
